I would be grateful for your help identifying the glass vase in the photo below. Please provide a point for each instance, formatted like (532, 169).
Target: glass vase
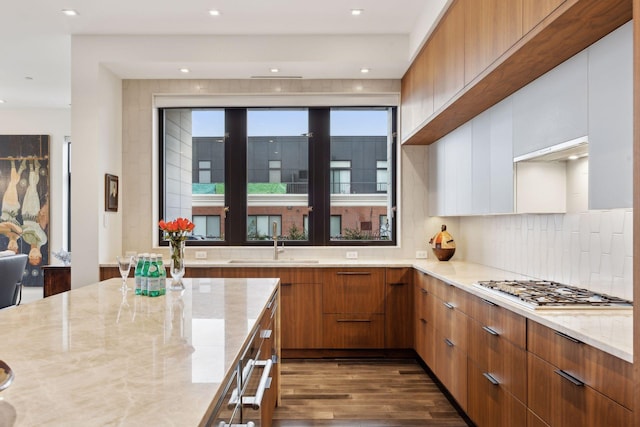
(176, 265)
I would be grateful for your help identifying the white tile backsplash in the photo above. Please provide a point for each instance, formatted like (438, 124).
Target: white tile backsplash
(589, 249)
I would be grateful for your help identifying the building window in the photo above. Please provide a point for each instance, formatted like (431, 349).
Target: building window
(251, 167)
(260, 227)
(336, 226)
(381, 176)
(207, 226)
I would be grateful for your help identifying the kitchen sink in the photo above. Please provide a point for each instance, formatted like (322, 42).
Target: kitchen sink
(273, 261)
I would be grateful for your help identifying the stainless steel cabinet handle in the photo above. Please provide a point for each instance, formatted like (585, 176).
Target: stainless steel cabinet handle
(353, 320)
(489, 377)
(448, 342)
(488, 302)
(424, 291)
(266, 333)
(254, 401)
(397, 284)
(448, 305)
(573, 380)
(490, 330)
(353, 273)
(567, 337)
(423, 320)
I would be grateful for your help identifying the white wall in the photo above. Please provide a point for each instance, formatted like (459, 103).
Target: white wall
(57, 124)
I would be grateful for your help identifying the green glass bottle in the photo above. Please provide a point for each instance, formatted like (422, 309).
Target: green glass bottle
(163, 275)
(144, 282)
(138, 273)
(153, 278)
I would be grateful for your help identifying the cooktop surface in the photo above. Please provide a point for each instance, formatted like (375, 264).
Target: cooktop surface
(549, 294)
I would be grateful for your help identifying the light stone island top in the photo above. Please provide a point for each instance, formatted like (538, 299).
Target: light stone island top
(96, 356)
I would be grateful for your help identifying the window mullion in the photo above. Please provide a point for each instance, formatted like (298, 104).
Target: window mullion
(319, 194)
(236, 175)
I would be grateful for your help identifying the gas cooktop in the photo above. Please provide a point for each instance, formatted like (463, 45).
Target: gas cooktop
(547, 294)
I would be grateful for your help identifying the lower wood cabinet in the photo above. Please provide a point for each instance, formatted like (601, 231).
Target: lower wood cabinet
(398, 320)
(560, 399)
(56, 279)
(489, 402)
(572, 383)
(353, 331)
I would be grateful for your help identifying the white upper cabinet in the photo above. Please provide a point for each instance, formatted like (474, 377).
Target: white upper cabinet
(611, 120)
(553, 108)
(501, 157)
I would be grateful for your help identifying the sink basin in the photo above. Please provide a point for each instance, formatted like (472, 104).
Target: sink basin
(273, 261)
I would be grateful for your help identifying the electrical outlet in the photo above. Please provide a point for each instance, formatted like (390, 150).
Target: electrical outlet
(352, 254)
(421, 254)
(201, 255)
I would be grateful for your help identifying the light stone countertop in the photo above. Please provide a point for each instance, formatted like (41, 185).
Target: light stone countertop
(608, 330)
(95, 357)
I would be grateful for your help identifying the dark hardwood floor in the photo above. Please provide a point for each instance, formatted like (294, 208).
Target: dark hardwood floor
(361, 393)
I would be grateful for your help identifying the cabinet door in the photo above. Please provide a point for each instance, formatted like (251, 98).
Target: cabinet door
(611, 120)
(354, 330)
(490, 405)
(353, 290)
(501, 157)
(492, 27)
(448, 47)
(436, 175)
(451, 368)
(399, 318)
(301, 315)
(534, 11)
(481, 164)
(559, 401)
(552, 108)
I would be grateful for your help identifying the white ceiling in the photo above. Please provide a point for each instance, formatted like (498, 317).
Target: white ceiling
(35, 51)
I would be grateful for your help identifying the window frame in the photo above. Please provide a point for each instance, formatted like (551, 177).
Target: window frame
(319, 170)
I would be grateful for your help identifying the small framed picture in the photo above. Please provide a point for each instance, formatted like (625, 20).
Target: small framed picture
(111, 191)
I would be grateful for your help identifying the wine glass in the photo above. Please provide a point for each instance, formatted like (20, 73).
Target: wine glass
(124, 265)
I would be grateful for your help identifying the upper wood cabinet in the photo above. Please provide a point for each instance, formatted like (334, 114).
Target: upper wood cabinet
(448, 56)
(534, 11)
(491, 27)
(482, 51)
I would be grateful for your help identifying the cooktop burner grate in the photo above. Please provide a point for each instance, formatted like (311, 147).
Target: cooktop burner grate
(543, 293)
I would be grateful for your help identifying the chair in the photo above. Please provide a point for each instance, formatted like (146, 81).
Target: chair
(11, 271)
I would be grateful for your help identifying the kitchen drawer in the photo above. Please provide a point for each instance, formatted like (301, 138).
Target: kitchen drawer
(425, 338)
(451, 368)
(561, 402)
(353, 330)
(354, 290)
(399, 275)
(448, 293)
(499, 358)
(603, 372)
(491, 405)
(424, 305)
(451, 323)
(505, 323)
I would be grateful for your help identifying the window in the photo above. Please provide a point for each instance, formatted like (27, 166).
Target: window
(381, 176)
(336, 226)
(325, 176)
(340, 177)
(260, 227)
(207, 226)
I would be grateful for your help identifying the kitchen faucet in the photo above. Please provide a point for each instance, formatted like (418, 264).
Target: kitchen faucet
(275, 242)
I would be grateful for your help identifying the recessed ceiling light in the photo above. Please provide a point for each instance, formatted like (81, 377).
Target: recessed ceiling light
(184, 70)
(70, 12)
(2, 101)
(356, 12)
(214, 12)
(28, 78)
(275, 70)
(573, 157)
(364, 70)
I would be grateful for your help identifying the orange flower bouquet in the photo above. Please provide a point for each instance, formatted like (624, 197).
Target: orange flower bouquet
(176, 233)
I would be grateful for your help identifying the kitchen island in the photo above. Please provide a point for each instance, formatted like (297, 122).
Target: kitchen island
(98, 356)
